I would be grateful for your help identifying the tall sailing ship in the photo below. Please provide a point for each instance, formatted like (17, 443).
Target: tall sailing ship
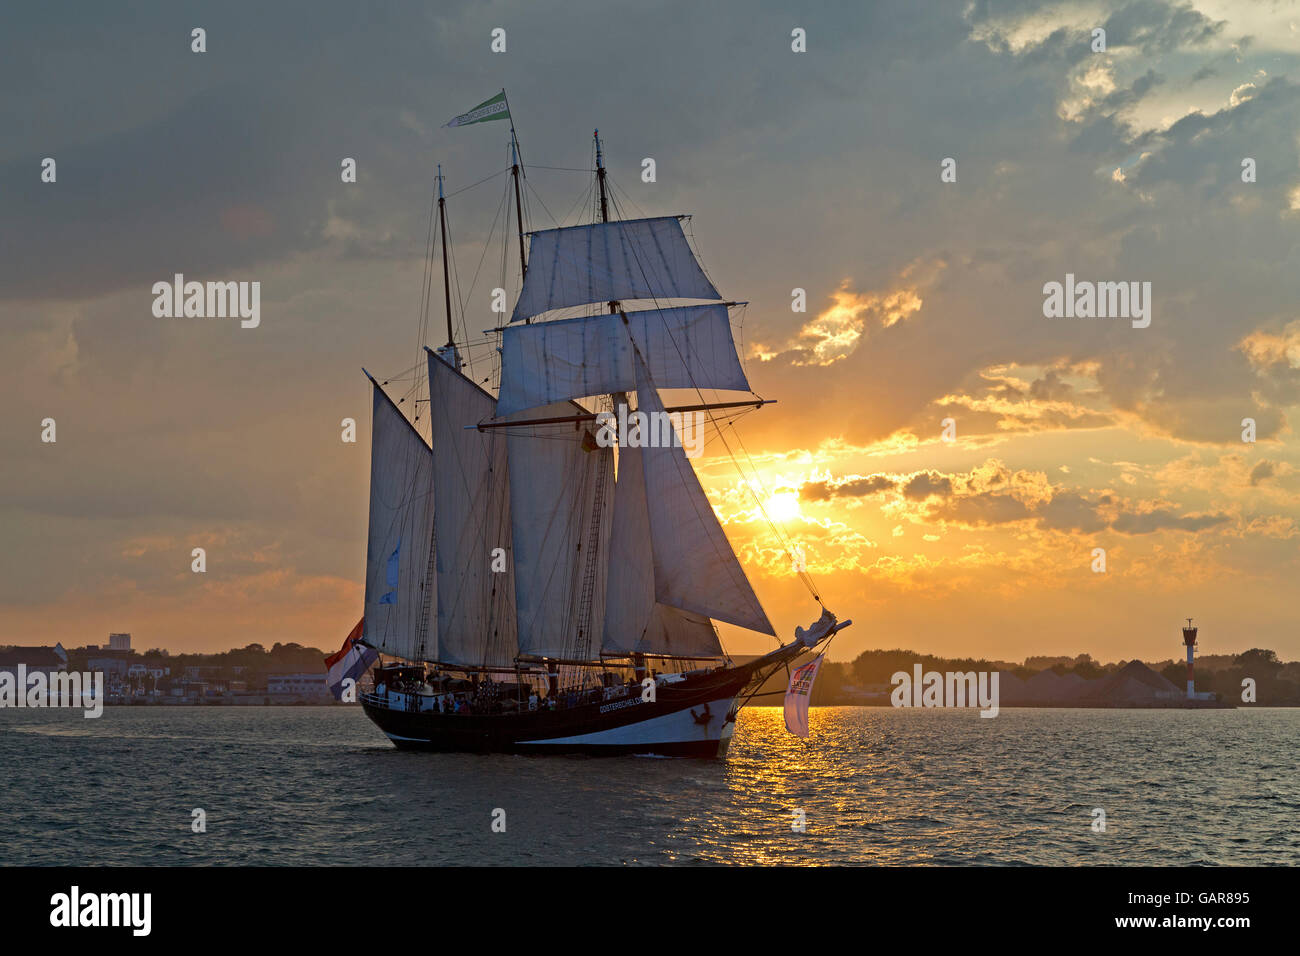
(544, 571)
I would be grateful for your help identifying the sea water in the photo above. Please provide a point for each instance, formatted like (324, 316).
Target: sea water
(322, 785)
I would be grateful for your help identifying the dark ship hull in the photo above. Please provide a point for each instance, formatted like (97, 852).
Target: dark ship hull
(690, 717)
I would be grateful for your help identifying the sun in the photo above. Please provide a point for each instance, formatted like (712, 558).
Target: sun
(783, 506)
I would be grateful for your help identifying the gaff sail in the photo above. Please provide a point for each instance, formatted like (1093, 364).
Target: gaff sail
(400, 538)
(476, 588)
(558, 475)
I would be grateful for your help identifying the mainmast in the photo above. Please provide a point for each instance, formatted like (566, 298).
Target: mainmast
(449, 350)
(586, 625)
(617, 398)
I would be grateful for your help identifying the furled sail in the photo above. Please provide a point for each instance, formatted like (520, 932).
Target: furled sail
(695, 568)
(560, 496)
(471, 493)
(604, 261)
(400, 538)
(687, 347)
(634, 621)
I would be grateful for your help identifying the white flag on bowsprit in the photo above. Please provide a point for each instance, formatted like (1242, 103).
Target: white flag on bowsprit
(797, 694)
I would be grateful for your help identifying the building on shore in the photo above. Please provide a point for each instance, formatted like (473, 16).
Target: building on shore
(110, 666)
(306, 686)
(1133, 685)
(45, 660)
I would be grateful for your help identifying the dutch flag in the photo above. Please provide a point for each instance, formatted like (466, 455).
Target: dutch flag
(351, 661)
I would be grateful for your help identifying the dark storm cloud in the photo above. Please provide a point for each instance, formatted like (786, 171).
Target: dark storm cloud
(1159, 27)
(1191, 152)
(984, 508)
(851, 488)
(1220, 266)
(1162, 519)
(1071, 511)
(184, 194)
(926, 484)
(1050, 388)
(1262, 472)
(1068, 511)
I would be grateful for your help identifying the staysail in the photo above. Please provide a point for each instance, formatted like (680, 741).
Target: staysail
(560, 491)
(400, 538)
(695, 568)
(471, 492)
(635, 623)
(623, 260)
(687, 347)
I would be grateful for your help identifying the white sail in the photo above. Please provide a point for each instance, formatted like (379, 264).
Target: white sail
(687, 347)
(558, 477)
(604, 261)
(695, 568)
(634, 621)
(401, 531)
(471, 492)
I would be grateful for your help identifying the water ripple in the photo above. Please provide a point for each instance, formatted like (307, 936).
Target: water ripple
(320, 786)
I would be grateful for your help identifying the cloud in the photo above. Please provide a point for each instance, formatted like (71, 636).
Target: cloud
(981, 509)
(1161, 519)
(1262, 471)
(927, 484)
(1266, 349)
(835, 332)
(1051, 388)
(846, 488)
(1071, 511)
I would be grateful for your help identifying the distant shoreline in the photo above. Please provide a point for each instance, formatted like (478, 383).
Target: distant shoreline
(1061, 705)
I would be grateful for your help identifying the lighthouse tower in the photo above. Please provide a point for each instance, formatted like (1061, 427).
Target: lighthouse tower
(1189, 638)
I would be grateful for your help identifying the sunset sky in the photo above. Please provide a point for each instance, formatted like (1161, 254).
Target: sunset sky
(816, 170)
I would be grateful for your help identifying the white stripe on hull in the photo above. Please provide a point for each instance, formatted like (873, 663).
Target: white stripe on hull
(675, 728)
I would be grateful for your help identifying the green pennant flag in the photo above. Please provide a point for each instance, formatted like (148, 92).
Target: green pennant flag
(493, 109)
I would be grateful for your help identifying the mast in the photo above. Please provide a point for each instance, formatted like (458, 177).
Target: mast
(519, 209)
(515, 169)
(446, 280)
(604, 203)
(600, 178)
(593, 556)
